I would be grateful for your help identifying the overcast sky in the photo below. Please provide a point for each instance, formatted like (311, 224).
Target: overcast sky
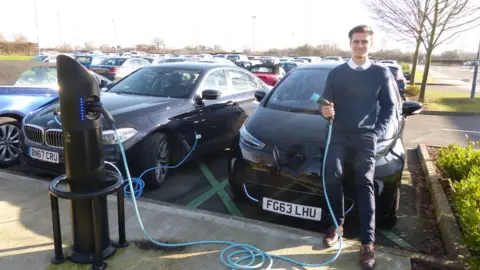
(279, 23)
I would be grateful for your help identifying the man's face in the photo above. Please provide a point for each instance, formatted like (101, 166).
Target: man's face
(361, 44)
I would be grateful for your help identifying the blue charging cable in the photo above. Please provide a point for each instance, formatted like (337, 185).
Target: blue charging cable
(245, 256)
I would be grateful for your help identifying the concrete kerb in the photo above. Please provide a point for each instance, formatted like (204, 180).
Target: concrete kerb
(443, 83)
(451, 234)
(446, 113)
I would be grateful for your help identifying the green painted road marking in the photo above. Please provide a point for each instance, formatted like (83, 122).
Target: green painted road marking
(232, 208)
(207, 195)
(396, 239)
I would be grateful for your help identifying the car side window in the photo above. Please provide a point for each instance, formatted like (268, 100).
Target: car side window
(242, 81)
(216, 81)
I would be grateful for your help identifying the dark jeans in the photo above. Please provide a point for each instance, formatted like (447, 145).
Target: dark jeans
(362, 147)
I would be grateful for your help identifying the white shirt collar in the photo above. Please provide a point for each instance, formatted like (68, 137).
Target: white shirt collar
(365, 65)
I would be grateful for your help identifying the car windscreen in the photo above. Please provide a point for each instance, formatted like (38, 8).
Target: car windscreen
(294, 93)
(169, 82)
(113, 62)
(38, 76)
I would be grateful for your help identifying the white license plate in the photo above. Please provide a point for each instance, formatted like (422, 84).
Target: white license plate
(43, 155)
(292, 209)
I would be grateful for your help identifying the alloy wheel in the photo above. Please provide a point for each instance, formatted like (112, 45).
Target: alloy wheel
(162, 160)
(9, 143)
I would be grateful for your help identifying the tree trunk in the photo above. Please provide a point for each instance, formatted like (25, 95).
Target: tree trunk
(415, 61)
(431, 46)
(428, 61)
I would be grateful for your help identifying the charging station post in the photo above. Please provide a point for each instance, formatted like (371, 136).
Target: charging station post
(88, 183)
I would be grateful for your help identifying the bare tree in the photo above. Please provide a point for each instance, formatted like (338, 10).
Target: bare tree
(20, 38)
(158, 43)
(403, 20)
(448, 19)
(89, 46)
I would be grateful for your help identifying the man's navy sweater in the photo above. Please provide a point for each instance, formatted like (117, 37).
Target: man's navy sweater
(364, 100)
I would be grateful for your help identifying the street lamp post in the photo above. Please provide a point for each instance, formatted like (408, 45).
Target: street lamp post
(475, 74)
(253, 37)
(36, 24)
(115, 36)
(59, 29)
(293, 34)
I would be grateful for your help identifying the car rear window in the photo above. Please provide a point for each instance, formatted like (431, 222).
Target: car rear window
(113, 61)
(294, 93)
(262, 69)
(83, 59)
(394, 71)
(288, 66)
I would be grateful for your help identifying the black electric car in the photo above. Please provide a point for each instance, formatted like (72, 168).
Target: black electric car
(278, 154)
(157, 109)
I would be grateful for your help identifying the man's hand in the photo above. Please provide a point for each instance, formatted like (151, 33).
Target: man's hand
(328, 111)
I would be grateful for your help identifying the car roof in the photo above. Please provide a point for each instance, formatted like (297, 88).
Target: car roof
(329, 65)
(193, 64)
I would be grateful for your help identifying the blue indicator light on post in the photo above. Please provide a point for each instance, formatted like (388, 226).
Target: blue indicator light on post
(82, 112)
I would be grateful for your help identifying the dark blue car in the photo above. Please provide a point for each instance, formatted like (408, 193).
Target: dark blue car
(36, 87)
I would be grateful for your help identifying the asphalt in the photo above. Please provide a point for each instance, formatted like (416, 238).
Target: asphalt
(451, 78)
(441, 130)
(26, 238)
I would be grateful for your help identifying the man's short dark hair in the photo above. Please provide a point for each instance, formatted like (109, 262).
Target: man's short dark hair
(360, 29)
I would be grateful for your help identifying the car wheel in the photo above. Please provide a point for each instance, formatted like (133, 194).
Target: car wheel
(155, 152)
(9, 141)
(392, 215)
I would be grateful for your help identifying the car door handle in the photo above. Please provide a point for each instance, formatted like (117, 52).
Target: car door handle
(229, 103)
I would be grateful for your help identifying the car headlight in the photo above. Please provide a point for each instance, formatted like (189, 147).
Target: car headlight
(247, 139)
(124, 134)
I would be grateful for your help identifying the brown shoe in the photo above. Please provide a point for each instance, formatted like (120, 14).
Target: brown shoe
(331, 236)
(367, 256)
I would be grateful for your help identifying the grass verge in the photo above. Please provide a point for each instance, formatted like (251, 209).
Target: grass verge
(419, 77)
(449, 102)
(15, 57)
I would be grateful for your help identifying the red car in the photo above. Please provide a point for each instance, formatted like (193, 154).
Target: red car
(270, 74)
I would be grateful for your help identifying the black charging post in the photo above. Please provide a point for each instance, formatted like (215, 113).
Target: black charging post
(88, 183)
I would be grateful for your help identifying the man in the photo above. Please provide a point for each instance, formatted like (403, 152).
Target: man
(362, 104)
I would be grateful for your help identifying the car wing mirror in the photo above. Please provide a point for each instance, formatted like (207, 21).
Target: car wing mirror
(411, 108)
(259, 95)
(211, 94)
(105, 85)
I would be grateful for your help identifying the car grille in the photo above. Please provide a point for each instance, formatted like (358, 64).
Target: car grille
(33, 133)
(54, 138)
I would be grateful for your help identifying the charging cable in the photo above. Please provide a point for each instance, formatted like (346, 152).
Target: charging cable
(240, 256)
(245, 255)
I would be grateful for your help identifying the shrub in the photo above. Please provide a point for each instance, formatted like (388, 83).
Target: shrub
(412, 90)
(459, 162)
(405, 67)
(466, 200)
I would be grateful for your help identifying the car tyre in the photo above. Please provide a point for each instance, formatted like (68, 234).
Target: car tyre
(391, 218)
(154, 152)
(237, 189)
(10, 129)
